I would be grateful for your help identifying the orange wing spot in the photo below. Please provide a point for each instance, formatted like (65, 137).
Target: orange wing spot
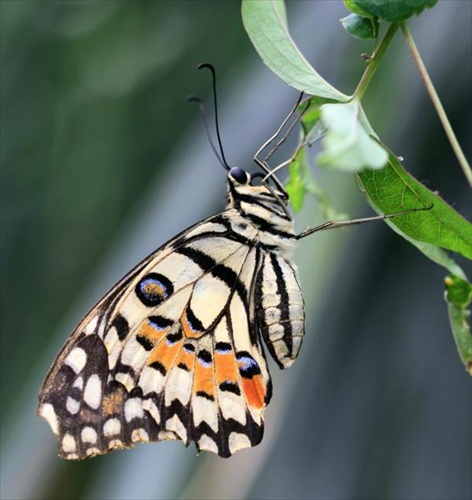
(255, 391)
(185, 358)
(151, 332)
(165, 353)
(203, 379)
(113, 403)
(226, 368)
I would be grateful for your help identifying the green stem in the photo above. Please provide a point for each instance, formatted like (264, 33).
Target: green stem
(437, 103)
(374, 61)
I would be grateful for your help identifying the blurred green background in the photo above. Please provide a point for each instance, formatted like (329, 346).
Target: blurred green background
(102, 160)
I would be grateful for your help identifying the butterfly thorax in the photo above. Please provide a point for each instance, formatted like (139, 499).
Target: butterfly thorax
(260, 214)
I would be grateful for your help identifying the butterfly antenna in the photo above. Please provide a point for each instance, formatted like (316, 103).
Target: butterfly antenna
(201, 105)
(215, 100)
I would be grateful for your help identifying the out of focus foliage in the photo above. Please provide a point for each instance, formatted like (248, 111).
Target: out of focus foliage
(92, 106)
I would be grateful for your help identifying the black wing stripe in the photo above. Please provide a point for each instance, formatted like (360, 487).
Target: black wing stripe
(284, 302)
(220, 271)
(267, 227)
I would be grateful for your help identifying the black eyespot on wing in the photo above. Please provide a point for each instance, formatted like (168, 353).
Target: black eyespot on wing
(153, 289)
(239, 175)
(205, 357)
(145, 342)
(121, 325)
(205, 395)
(189, 347)
(223, 347)
(172, 338)
(159, 367)
(193, 322)
(248, 366)
(229, 386)
(160, 322)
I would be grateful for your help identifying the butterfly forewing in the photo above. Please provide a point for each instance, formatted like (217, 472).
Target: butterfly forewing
(173, 351)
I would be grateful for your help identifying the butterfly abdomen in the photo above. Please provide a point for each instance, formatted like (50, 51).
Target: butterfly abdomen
(280, 308)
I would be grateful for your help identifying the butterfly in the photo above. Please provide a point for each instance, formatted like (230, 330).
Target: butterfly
(174, 350)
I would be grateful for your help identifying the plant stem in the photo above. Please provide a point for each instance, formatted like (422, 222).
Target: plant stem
(437, 103)
(375, 61)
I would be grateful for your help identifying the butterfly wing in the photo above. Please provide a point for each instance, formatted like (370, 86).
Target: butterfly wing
(171, 352)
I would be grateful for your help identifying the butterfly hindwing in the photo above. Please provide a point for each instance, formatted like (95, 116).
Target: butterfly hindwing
(168, 357)
(174, 351)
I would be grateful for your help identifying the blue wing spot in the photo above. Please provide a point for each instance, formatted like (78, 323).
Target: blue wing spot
(205, 358)
(248, 366)
(223, 347)
(189, 348)
(191, 323)
(159, 322)
(172, 338)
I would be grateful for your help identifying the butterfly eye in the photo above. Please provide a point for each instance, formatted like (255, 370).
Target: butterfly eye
(239, 175)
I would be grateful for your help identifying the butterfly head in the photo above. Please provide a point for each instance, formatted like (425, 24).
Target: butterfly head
(244, 187)
(238, 177)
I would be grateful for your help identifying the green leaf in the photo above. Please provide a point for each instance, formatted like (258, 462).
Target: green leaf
(296, 182)
(393, 190)
(388, 10)
(312, 128)
(310, 113)
(301, 184)
(434, 253)
(353, 7)
(458, 291)
(458, 297)
(360, 27)
(347, 143)
(266, 24)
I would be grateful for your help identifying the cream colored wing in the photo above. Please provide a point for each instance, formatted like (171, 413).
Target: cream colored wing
(171, 352)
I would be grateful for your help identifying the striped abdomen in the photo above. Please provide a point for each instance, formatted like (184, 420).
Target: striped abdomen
(279, 308)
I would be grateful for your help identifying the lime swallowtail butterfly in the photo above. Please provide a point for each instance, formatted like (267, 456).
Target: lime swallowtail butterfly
(174, 350)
